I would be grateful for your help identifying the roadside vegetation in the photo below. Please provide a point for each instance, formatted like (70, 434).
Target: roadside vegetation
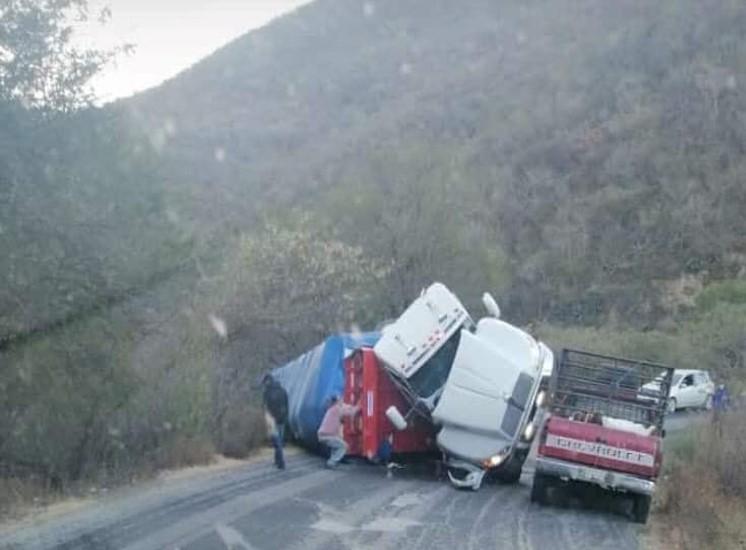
(702, 501)
(159, 254)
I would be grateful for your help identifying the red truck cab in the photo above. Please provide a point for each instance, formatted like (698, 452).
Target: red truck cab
(368, 384)
(604, 427)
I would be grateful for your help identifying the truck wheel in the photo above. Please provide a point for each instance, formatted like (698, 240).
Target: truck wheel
(509, 476)
(539, 489)
(510, 472)
(641, 508)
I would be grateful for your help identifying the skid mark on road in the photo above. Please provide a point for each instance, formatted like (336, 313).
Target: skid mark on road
(521, 534)
(418, 517)
(390, 525)
(448, 520)
(407, 499)
(194, 526)
(353, 514)
(474, 532)
(332, 526)
(232, 539)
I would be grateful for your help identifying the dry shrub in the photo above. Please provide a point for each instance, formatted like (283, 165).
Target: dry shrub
(16, 493)
(693, 496)
(182, 451)
(705, 483)
(726, 454)
(243, 430)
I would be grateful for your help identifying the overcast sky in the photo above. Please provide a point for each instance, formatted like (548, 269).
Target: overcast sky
(170, 35)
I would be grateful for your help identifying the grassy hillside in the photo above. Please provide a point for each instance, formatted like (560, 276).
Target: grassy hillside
(83, 222)
(582, 160)
(597, 148)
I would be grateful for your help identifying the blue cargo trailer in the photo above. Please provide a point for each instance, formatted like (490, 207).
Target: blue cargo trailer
(313, 378)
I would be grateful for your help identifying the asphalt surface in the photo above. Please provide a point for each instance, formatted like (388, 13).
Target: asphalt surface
(357, 506)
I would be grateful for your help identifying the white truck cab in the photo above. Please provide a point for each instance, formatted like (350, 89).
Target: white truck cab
(479, 382)
(432, 319)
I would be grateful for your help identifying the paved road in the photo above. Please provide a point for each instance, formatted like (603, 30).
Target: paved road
(309, 507)
(357, 506)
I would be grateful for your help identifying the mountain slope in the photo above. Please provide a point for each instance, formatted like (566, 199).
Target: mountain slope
(599, 146)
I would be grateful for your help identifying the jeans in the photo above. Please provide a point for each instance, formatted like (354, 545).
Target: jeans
(337, 446)
(277, 440)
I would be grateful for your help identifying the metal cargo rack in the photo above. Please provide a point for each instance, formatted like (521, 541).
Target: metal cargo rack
(586, 383)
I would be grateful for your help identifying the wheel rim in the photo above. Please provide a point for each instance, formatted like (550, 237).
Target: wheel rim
(672, 405)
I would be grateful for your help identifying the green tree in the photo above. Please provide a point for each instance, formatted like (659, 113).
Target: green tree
(39, 65)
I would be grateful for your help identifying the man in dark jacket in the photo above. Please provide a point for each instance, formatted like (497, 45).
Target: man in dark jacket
(276, 415)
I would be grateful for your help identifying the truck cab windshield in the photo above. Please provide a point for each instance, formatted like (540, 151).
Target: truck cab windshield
(432, 376)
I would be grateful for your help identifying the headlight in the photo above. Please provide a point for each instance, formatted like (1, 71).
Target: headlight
(494, 461)
(541, 398)
(528, 433)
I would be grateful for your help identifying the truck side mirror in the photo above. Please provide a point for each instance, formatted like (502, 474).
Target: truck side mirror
(491, 305)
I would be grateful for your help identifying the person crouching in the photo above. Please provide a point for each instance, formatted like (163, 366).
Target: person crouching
(330, 431)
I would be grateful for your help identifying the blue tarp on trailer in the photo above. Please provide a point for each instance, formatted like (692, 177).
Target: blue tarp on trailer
(313, 378)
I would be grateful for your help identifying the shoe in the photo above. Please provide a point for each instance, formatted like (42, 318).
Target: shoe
(331, 466)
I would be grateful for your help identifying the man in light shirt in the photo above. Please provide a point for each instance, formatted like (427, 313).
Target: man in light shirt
(330, 431)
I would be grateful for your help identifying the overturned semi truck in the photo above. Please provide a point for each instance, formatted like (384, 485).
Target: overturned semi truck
(433, 380)
(481, 383)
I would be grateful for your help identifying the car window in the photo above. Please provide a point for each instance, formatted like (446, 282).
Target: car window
(688, 380)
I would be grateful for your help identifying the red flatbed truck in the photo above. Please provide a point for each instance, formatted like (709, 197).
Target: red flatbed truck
(604, 426)
(368, 383)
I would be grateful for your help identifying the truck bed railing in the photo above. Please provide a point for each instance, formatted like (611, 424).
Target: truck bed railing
(587, 383)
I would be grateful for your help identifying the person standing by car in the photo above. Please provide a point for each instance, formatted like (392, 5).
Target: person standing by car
(330, 430)
(720, 403)
(275, 400)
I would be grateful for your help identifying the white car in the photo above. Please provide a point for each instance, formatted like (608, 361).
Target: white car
(690, 388)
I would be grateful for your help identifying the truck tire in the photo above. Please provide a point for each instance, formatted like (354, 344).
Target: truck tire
(539, 489)
(510, 471)
(641, 508)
